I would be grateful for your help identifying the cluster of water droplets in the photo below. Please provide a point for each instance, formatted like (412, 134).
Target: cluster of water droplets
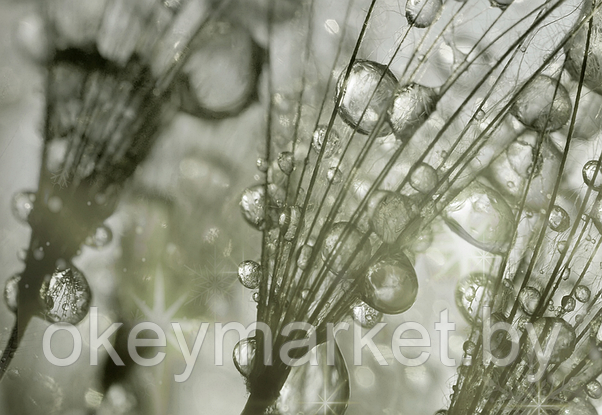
(359, 183)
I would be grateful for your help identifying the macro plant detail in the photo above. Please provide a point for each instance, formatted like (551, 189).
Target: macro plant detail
(389, 128)
(410, 147)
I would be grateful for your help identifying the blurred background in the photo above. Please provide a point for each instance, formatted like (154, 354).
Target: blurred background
(178, 237)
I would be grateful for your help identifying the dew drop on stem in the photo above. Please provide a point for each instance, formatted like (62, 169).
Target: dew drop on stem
(366, 316)
(423, 13)
(243, 355)
(365, 96)
(544, 104)
(249, 273)
(591, 169)
(343, 249)
(481, 216)
(391, 216)
(11, 292)
(66, 295)
(332, 144)
(391, 285)
(559, 219)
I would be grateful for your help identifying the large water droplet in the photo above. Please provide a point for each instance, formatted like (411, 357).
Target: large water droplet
(576, 46)
(391, 216)
(286, 162)
(289, 222)
(334, 175)
(412, 105)
(568, 303)
(304, 256)
(582, 293)
(11, 292)
(243, 355)
(472, 293)
(344, 242)
(591, 169)
(559, 219)
(252, 204)
(365, 93)
(528, 299)
(544, 104)
(249, 273)
(67, 296)
(422, 13)
(22, 205)
(594, 389)
(333, 140)
(563, 343)
(366, 316)
(316, 389)
(391, 284)
(424, 178)
(482, 217)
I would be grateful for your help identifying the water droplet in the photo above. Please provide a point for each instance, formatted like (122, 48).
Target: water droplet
(11, 292)
(559, 220)
(501, 4)
(334, 175)
(102, 237)
(252, 204)
(365, 93)
(590, 169)
(594, 389)
(424, 178)
(563, 344)
(333, 140)
(22, 205)
(469, 348)
(243, 356)
(582, 293)
(576, 46)
(366, 316)
(568, 303)
(474, 291)
(310, 388)
(543, 104)
(412, 105)
(343, 248)
(262, 164)
(391, 285)
(286, 162)
(289, 222)
(304, 255)
(482, 217)
(391, 216)
(249, 273)
(528, 299)
(255, 296)
(422, 13)
(68, 287)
